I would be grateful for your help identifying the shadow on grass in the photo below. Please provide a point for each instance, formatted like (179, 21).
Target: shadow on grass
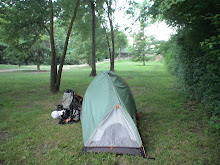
(35, 71)
(145, 127)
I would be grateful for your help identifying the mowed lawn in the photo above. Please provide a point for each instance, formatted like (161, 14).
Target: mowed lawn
(172, 126)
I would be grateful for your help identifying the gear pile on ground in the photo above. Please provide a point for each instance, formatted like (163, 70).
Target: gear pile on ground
(69, 111)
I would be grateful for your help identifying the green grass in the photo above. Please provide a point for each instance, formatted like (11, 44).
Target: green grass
(172, 127)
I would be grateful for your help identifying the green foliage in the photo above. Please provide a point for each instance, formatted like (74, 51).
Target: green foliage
(121, 41)
(193, 54)
(27, 54)
(144, 45)
(139, 50)
(26, 22)
(22, 25)
(212, 43)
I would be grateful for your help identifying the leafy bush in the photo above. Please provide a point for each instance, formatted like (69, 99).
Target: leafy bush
(198, 72)
(193, 54)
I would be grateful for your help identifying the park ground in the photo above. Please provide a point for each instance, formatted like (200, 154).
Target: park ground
(173, 127)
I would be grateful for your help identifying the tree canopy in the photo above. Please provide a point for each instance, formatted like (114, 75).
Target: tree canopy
(25, 23)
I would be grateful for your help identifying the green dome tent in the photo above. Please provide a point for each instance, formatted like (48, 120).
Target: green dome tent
(108, 117)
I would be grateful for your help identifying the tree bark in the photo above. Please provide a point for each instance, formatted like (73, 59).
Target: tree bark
(112, 58)
(93, 61)
(38, 59)
(109, 47)
(53, 70)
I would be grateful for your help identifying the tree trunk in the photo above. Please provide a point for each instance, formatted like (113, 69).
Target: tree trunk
(38, 59)
(144, 59)
(119, 54)
(112, 58)
(62, 58)
(109, 47)
(143, 30)
(93, 61)
(53, 70)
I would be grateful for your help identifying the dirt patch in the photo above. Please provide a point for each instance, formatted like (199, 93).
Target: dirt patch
(137, 90)
(37, 72)
(65, 67)
(14, 70)
(3, 135)
(128, 78)
(191, 105)
(43, 148)
(158, 58)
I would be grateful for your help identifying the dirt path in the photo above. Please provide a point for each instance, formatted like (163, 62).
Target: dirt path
(13, 70)
(158, 57)
(65, 67)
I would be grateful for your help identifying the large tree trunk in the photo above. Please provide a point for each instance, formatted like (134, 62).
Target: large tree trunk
(93, 61)
(53, 70)
(65, 47)
(112, 58)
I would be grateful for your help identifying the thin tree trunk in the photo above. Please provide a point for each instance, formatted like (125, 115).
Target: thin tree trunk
(65, 47)
(112, 58)
(109, 47)
(119, 54)
(53, 71)
(93, 61)
(144, 59)
(38, 59)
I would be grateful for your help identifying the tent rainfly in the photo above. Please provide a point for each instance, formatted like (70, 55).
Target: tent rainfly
(108, 117)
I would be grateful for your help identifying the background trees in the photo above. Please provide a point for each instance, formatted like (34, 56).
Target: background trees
(26, 22)
(22, 24)
(140, 44)
(144, 46)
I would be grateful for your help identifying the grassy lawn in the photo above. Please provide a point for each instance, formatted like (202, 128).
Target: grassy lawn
(172, 127)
